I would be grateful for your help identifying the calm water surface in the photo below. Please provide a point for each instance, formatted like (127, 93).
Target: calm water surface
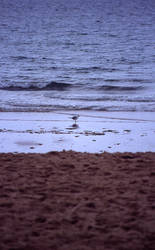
(77, 55)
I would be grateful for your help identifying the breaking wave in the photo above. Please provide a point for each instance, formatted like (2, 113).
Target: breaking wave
(36, 87)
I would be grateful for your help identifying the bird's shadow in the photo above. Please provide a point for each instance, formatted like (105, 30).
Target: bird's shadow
(75, 126)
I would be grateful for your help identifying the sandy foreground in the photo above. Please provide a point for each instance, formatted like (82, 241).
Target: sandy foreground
(78, 201)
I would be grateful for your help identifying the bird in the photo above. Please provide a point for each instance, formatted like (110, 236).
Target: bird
(75, 118)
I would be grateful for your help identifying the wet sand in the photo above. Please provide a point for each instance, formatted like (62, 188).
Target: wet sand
(95, 132)
(77, 201)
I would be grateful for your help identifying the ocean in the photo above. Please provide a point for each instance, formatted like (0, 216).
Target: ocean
(77, 55)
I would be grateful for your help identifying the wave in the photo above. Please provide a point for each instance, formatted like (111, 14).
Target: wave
(107, 98)
(119, 88)
(22, 58)
(50, 86)
(95, 68)
(85, 98)
(50, 108)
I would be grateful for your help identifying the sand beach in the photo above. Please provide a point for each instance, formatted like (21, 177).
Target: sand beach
(70, 200)
(65, 187)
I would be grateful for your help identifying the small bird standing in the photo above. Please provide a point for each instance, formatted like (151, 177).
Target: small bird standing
(75, 117)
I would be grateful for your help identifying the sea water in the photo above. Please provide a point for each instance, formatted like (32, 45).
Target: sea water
(77, 55)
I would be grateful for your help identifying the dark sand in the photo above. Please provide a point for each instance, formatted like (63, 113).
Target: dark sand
(77, 201)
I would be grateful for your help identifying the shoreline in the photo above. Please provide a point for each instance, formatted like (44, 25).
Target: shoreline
(95, 132)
